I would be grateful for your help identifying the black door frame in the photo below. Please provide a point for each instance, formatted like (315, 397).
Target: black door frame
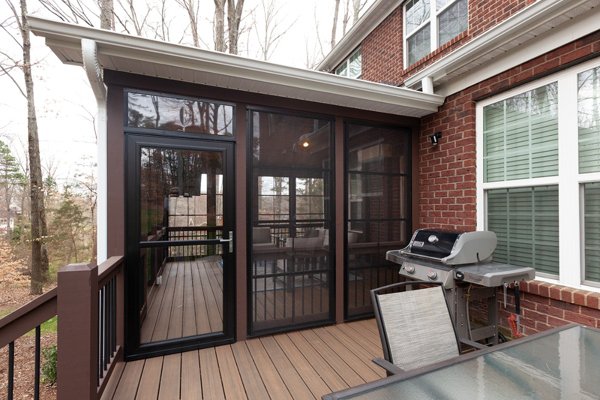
(133, 284)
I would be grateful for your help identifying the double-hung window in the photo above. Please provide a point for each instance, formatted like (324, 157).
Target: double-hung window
(538, 176)
(431, 23)
(351, 67)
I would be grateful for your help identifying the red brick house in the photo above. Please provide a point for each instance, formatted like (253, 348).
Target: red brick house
(315, 176)
(239, 198)
(518, 152)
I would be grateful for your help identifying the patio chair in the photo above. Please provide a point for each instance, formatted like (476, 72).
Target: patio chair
(415, 326)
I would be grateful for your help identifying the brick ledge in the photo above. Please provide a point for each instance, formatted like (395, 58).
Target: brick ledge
(563, 293)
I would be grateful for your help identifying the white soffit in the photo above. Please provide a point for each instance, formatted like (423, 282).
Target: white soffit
(148, 57)
(537, 29)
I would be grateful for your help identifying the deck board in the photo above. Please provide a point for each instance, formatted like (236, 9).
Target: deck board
(212, 387)
(297, 365)
(228, 368)
(170, 379)
(150, 380)
(190, 371)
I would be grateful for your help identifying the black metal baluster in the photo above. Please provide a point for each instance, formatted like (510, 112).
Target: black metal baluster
(36, 376)
(11, 369)
(114, 317)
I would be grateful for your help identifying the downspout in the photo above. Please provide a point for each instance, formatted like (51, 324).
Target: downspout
(94, 74)
(427, 85)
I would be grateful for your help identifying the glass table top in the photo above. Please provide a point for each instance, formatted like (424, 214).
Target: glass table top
(561, 365)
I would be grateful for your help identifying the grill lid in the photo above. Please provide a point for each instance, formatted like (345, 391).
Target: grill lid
(432, 243)
(451, 248)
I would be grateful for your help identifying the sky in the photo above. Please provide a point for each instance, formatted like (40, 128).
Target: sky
(65, 103)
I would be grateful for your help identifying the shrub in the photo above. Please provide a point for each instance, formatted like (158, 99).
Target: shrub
(49, 365)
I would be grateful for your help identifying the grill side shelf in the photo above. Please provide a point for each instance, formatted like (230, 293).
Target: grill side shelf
(495, 274)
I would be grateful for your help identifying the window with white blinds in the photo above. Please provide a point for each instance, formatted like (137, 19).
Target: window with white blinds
(538, 175)
(592, 231)
(521, 136)
(588, 118)
(525, 220)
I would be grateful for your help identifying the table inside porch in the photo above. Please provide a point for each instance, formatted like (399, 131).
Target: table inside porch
(561, 363)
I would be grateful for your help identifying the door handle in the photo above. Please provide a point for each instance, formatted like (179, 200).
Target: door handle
(230, 241)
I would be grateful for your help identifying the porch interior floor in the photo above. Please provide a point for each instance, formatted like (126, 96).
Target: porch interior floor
(297, 365)
(188, 302)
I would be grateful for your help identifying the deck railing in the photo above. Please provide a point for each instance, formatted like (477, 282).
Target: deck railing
(89, 304)
(31, 316)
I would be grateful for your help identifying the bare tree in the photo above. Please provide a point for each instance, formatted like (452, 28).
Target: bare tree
(162, 30)
(357, 7)
(191, 8)
(107, 14)
(346, 17)
(131, 11)
(234, 18)
(39, 230)
(335, 20)
(271, 33)
(75, 12)
(219, 25)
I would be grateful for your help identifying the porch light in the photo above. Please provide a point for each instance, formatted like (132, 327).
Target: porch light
(305, 144)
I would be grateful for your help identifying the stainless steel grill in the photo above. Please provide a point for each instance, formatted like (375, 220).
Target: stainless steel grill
(462, 263)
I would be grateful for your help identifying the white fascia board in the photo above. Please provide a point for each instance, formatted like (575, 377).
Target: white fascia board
(528, 19)
(371, 19)
(65, 38)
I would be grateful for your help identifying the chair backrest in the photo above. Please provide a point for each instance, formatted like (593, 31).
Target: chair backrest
(414, 325)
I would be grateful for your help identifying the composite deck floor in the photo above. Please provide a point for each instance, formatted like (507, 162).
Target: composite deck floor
(187, 303)
(298, 365)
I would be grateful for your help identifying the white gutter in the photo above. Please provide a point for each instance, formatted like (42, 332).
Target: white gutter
(512, 33)
(94, 74)
(371, 19)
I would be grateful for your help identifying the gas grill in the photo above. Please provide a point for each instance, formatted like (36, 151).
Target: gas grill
(462, 263)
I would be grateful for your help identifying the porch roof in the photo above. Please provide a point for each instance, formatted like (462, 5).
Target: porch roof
(120, 52)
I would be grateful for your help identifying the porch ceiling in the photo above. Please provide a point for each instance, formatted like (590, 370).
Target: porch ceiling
(143, 56)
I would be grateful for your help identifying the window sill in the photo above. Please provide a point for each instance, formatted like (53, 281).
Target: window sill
(578, 297)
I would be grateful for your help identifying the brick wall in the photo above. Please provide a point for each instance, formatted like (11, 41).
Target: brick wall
(447, 183)
(447, 172)
(545, 305)
(382, 50)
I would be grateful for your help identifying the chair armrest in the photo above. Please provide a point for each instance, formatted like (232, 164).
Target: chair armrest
(391, 369)
(473, 344)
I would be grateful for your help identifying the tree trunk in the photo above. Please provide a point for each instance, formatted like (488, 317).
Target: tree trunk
(234, 17)
(346, 18)
(219, 25)
(39, 230)
(107, 15)
(356, 7)
(335, 20)
(191, 8)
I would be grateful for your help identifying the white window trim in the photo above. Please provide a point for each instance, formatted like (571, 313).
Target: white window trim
(433, 30)
(569, 180)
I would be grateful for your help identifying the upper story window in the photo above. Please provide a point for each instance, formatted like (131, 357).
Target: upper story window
(430, 24)
(351, 67)
(538, 179)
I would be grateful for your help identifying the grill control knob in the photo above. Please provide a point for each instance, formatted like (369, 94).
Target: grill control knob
(409, 269)
(432, 275)
(433, 239)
